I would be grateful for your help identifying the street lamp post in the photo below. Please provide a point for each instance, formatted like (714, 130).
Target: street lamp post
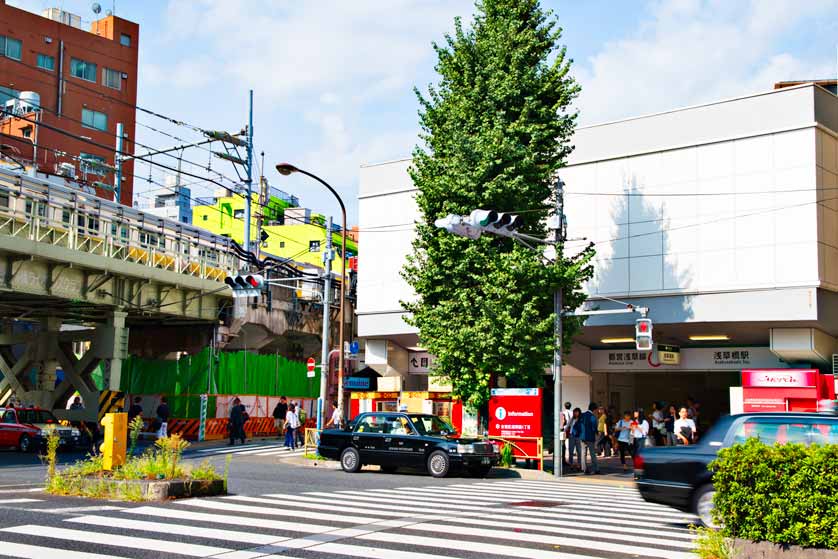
(286, 169)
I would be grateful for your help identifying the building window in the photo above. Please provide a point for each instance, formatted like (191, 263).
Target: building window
(94, 119)
(314, 246)
(205, 217)
(238, 214)
(111, 78)
(281, 244)
(90, 164)
(7, 94)
(46, 62)
(26, 131)
(125, 40)
(10, 48)
(83, 70)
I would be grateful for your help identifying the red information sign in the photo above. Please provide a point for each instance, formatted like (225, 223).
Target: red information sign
(515, 412)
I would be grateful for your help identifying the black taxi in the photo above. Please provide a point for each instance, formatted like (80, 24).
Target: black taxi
(392, 440)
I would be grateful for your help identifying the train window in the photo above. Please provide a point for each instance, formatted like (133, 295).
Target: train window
(89, 222)
(4, 199)
(65, 217)
(30, 206)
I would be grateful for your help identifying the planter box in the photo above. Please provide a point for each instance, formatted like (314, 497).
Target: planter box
(767, 550)
(161, 490)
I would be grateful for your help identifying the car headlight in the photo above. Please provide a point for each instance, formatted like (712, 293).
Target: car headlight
(465, 449)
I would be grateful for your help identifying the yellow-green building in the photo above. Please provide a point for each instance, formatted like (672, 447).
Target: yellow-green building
(291, 232)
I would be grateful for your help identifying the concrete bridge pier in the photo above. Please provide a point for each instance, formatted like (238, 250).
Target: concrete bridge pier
(29, 363)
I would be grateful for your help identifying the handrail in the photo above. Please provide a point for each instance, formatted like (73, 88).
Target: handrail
(539, 445)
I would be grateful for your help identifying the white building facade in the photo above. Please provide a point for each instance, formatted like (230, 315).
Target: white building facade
(721, 218)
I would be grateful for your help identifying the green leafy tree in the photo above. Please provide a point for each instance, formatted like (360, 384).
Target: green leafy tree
(495, 131)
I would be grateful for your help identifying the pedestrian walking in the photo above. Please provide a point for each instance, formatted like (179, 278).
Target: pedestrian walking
(669, 425)
(238, 416)
(658, 429)
(567, 415)
(685, 429)
(301, 430)
(639, 431)
(588, 425)
(292, 422)
(162, 413)
(136, 409)
(334, 421)
(280, 410)
(622, 429)
(575, 441)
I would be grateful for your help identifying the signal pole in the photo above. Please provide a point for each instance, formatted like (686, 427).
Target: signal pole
(117, 180)
(558, 239)
(327, 307)
(249, 178)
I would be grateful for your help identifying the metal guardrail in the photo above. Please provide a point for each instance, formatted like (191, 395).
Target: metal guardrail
(311, 441)
(516, 448)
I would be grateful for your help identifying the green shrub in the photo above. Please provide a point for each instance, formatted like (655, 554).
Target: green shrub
(507, 458)
(204, 471)
(784, 494)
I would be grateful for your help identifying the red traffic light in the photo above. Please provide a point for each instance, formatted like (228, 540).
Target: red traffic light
(642, 327)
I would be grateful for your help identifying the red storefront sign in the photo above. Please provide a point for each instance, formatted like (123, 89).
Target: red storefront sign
(767, 390)
(515, 412)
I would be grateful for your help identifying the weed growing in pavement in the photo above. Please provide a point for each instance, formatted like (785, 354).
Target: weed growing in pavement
(506, 456)
(204, 471)
(53, 440)
(314, 456)
(711, 544)
(134, 429)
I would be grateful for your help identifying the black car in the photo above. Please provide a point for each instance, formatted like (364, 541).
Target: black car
(393, 440)
(678, 475)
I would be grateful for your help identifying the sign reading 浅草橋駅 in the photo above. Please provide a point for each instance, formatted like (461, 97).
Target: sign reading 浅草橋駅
(691, 359)
(515, 412)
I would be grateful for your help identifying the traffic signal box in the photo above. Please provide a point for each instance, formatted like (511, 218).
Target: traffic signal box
(116, 438)
(643, 334)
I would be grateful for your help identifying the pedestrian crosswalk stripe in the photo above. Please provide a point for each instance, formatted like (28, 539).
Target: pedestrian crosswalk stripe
(307, 504)
(483, 501)
(590, 544)
(598, 515)
(264, 523)
(603, 531)
(353, 496)
(466, 545)
(233, 507)
(179, 529)
(25, 551)
(23, 490)
(17, 501)
(331, 499)
(193, 550)
(629, 526)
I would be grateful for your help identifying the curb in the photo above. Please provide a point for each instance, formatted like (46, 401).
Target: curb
(306, 463)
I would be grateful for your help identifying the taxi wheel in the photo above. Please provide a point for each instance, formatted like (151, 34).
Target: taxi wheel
(25, 443)
(350, 460)
(438, 464)
(703, 505)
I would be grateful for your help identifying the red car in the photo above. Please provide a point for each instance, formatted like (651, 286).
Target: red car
(27, 429)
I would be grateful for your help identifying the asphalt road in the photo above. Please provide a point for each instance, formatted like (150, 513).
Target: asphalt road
(278, 508)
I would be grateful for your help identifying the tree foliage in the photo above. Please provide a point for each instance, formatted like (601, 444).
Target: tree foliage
(495, 131)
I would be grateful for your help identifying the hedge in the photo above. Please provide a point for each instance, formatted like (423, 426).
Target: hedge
(786, 494)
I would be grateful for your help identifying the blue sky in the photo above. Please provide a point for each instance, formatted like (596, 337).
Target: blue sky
(333, 79)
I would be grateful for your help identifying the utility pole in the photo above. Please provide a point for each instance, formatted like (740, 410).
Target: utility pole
(263, 203)
(327, 308)
(249, 178)
(558, 239)
(117, 160)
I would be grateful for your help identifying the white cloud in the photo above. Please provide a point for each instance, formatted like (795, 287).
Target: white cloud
(693, 51)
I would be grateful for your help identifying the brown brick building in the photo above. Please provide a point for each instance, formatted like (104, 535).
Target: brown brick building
(86, 82)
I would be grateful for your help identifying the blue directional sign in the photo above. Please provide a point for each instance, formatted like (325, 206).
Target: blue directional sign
(354, 347)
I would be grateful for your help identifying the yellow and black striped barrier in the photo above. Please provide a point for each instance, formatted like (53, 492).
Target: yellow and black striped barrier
(110, 401)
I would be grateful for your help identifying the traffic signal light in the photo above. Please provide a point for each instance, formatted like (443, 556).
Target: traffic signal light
(491, 221)
(643, 334)
(246, 286)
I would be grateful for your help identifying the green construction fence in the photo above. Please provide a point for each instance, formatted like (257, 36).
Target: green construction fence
(239, 372)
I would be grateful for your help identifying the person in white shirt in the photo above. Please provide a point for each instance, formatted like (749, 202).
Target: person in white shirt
(334, 421)
(639, 431)
(567, 416)
(292, 423)
(685, 430)
(658, 428)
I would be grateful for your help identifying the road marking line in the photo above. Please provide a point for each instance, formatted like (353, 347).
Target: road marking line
(360, 505)
(307, 504)
(436, 501)
(233, 507)
(179, 529)
(264, 523)
(25, 551)
(16, 501)
(590, 544)
(118, 540)
(628, 526)
(23, 490)
(351, 496)
(461, 545)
